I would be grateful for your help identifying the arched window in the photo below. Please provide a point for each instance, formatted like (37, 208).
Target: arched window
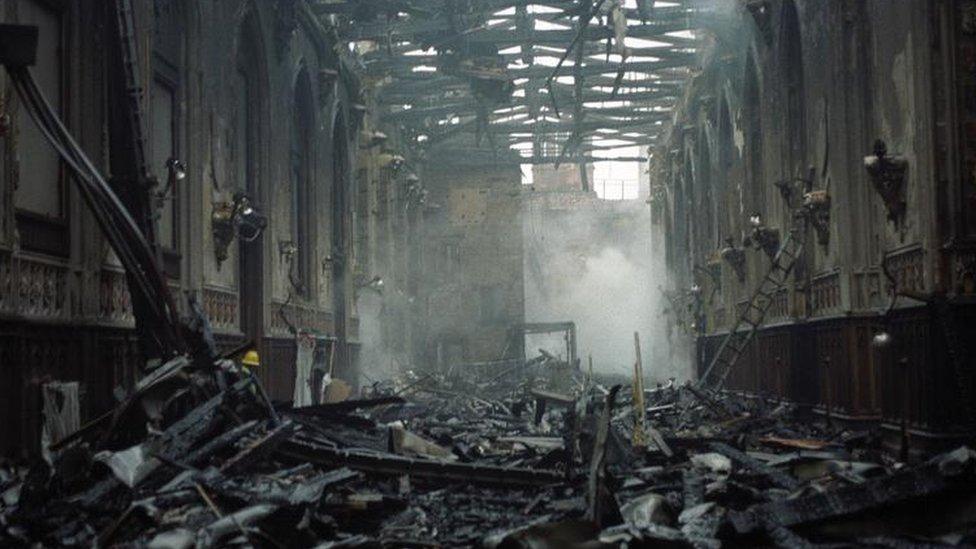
(683, 212)
(164, 125)
(754, 188)
(247, 101)
(791, 63)
(39, 196)
(303, 124)
(725, 160)
(706, 212)
(340, 189)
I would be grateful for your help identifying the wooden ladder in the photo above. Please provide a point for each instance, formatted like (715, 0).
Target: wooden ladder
(751, 318)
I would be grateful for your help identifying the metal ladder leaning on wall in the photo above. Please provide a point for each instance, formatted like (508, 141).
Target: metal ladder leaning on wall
(751, 318)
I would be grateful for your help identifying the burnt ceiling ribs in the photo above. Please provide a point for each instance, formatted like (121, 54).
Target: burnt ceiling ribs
(550, 80)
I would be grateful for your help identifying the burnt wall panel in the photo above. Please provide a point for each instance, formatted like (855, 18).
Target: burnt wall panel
(100, 359)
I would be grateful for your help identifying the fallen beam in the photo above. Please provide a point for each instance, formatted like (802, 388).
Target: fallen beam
(375, 462)
(774, 475)
(344, 407)
(953, 472)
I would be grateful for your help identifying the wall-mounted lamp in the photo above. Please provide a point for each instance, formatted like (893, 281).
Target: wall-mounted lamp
(735, 257)
(762, 237)
(176, 169)
(888, 179)
(237, 219)
(881, 340)
(176, 172)
(696, 309)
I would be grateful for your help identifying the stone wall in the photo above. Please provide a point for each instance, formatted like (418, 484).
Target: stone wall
(801, 90)
(252, 97)
(472, 288)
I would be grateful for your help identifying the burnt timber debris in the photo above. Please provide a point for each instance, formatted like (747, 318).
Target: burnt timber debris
(196, 457)
(514, 453)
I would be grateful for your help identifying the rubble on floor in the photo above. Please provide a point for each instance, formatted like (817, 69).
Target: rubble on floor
(199, 457)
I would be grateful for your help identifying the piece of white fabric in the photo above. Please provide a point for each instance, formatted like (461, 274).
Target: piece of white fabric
(303, 370)
(62, 416)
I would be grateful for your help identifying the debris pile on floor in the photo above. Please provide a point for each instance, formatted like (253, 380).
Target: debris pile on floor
(199, 457)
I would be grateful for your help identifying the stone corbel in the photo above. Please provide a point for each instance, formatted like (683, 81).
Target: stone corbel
(735, 257)
(762, 237)
(888, 179)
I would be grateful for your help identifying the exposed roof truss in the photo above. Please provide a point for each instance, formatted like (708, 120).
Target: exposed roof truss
(555, 80)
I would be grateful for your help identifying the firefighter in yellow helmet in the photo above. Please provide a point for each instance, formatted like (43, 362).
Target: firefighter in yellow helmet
(250, 360)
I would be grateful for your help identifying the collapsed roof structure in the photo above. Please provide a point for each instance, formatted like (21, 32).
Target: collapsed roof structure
(561, 81)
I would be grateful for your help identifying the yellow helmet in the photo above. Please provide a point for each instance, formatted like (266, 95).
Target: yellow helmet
(251, 358)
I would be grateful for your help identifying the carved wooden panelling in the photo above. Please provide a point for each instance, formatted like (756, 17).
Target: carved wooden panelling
(830, 352)
(115, 303)
(780, 307)
(42, 289)
(864, 373)
(301, 317)
(908, 269)
(99, 358)
(278, 377)
(6, 283)
(866, 292)
(825, 294)
(221, 307)
(907, 378)
(120, 362)
(773, 356)
(963, 272)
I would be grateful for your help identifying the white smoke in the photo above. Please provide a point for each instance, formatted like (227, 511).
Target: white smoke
(376, 362)
(606, 280)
